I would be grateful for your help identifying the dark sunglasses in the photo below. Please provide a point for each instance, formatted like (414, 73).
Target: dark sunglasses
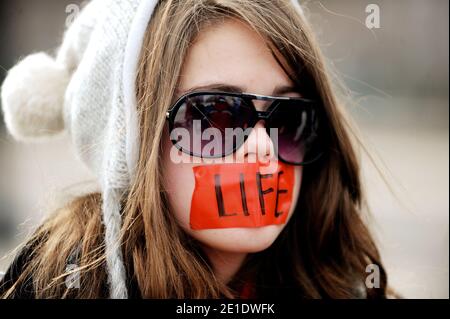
(296, 119)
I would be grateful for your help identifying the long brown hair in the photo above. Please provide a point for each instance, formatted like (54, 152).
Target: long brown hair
(322, 252)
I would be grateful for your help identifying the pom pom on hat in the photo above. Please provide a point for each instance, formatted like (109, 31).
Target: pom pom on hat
(33, 97)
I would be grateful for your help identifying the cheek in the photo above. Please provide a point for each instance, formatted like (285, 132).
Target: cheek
(179, 183)
(297, 189)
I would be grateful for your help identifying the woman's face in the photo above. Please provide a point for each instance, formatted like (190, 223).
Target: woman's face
(231, 54)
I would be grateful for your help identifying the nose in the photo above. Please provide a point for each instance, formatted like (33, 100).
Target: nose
(257, 147)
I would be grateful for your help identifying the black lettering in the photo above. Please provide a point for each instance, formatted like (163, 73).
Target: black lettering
(243, 196)
(262, 192)
(282, 191)
(219, 197)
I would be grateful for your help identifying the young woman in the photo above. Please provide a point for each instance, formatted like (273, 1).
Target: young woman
(191, 226)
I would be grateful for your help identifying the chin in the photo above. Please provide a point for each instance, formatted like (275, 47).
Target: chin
(240, 240)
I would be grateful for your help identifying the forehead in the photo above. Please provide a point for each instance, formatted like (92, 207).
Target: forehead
(234, 54)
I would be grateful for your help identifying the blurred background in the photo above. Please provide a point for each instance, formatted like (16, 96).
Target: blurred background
(397, 78)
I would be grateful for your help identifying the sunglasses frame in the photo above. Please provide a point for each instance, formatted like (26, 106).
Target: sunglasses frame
(248, 99)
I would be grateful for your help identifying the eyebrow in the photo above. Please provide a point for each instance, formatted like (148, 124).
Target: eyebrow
(279, 90)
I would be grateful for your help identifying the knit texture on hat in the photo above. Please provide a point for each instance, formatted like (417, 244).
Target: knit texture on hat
(82, 91)
(89, 90)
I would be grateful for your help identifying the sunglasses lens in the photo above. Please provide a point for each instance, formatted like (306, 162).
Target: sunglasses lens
(297, 132)
(210, 122)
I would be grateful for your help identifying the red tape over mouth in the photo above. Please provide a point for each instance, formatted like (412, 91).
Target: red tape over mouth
(241, 195)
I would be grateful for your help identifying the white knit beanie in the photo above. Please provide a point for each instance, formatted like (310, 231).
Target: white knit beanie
(89, 90)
